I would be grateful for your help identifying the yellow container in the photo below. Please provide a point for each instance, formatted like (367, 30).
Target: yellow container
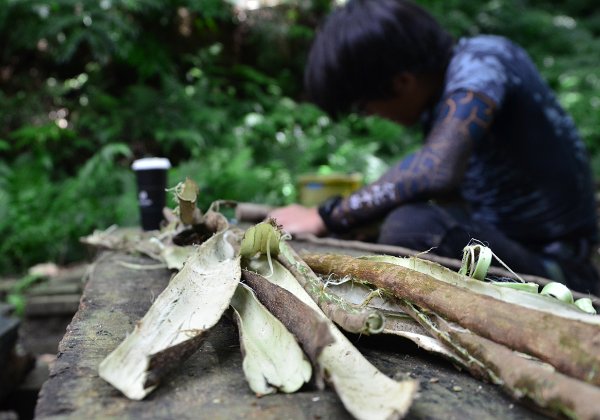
(314, 189)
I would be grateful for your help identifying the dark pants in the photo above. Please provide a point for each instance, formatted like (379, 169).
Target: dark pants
(422, 226)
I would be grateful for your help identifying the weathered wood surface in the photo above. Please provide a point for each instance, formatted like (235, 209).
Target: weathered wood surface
(210, 384)
(8, 338)
(50, 306)
(8, 334)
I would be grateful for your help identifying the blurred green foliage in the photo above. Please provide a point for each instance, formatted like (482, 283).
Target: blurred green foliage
(89, 86)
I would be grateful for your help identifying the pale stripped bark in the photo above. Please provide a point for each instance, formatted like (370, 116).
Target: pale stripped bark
(354, 305)
(273, 360)
(175, 324)
(364, 390)
(187, 195)
(396, 321)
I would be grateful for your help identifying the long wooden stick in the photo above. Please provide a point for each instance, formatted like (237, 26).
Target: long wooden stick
(570, 346)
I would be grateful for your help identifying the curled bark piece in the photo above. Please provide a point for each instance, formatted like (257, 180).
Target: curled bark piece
(173, 327)
(126, 240)
(349, 316)
(273, 359)
(396, 321)
(364, 390)
(570, 346)
(262, 238)
(187, 194)
(215, 222)
(301, 320)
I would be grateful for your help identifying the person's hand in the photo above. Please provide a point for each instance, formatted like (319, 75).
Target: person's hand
(299, 219)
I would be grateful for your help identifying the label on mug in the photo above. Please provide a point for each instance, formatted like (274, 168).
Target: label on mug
(144, 199)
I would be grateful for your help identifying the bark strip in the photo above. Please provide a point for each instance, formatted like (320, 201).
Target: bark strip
(531, 300)
(570, 346)
(273, 360)
(350, 317)
(302, 321)
(174, 326)
(531, 379)
(521, 376)
(452, 263)
(364, 390)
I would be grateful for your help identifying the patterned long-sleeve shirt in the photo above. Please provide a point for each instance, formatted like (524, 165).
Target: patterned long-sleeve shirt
(499, 136)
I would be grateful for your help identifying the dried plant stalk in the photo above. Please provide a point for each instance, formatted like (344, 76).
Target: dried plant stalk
(187, 194)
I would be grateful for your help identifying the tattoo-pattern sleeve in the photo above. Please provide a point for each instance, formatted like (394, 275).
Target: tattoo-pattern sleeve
(435, 169)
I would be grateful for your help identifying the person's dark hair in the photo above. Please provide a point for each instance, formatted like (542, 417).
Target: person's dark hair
(364, 44)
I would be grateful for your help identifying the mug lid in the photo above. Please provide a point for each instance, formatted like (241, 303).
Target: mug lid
(145, 164)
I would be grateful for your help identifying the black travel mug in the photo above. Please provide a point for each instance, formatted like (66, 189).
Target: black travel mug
(151, 174)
